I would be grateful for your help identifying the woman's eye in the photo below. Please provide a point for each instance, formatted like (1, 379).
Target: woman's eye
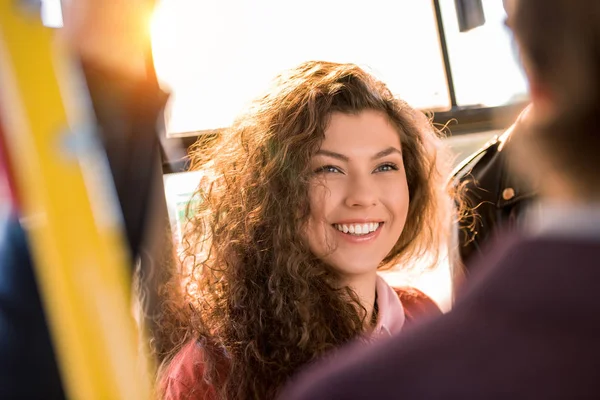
(386, 167)
(327, 169)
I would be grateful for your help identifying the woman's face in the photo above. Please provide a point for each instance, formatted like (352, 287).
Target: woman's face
(358, 194)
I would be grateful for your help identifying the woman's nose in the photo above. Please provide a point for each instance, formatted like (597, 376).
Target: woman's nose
(361, 192)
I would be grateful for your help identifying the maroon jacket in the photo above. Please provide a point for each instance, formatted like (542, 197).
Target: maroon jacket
(528, 328)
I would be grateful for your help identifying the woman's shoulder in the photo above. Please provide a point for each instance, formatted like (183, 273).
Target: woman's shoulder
(184, 377)
(416, 304)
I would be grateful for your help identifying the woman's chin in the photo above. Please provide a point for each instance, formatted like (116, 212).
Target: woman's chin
(355, 268)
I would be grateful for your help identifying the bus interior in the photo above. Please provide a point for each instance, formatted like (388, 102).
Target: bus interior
(455, 60)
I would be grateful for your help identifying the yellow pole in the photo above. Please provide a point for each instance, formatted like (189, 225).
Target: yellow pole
(70, 212)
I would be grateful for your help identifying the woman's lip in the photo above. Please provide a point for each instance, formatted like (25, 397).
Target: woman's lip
(358, 221)
(356, 239)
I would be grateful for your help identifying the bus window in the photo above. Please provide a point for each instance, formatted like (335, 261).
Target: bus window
(217, 56)
(483, 61)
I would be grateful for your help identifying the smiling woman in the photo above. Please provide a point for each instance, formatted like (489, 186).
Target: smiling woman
(324, 180)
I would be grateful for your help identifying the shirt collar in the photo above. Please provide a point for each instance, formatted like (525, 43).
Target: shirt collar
(390, 318)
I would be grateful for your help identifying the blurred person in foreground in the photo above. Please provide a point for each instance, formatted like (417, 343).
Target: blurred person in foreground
(109, 38)
(527, 327)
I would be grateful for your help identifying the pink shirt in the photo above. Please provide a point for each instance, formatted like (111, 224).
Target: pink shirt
(390, 319)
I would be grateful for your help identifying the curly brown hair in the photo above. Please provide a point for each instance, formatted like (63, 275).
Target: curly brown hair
(254, 293)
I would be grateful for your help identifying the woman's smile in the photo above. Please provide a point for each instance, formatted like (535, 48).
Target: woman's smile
(359, 232)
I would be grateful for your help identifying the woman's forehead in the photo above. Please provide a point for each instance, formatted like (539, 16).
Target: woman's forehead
(358, 133)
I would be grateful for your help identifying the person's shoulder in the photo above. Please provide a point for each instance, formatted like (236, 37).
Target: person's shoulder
(184, 377)
(416, 304)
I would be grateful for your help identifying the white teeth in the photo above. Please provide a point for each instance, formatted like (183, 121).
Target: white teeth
(358, 229)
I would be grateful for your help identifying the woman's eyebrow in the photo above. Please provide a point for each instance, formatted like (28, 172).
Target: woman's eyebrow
(341, 157)
(333, 154)
(386, 152)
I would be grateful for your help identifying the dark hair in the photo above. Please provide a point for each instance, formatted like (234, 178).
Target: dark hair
(560, 45)
(253, 289)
